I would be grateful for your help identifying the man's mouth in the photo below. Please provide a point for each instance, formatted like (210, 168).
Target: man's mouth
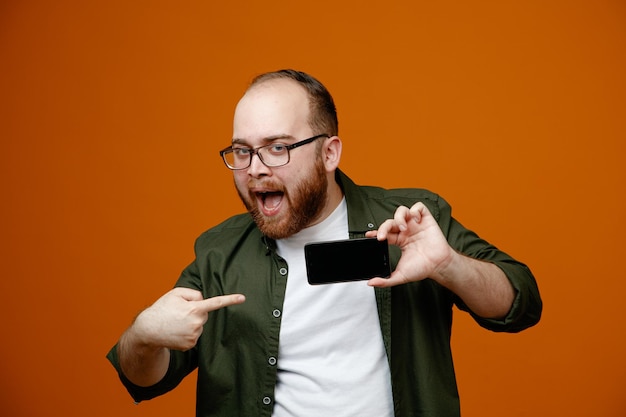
(269, 201)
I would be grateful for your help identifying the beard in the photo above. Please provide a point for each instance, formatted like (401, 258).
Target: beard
(306, 202)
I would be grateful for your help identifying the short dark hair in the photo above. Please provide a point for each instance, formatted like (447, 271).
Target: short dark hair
(323, 118)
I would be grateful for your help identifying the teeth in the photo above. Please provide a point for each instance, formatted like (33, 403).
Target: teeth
(271, 199)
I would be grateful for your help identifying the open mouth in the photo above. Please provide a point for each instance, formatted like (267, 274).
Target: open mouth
(269, 201)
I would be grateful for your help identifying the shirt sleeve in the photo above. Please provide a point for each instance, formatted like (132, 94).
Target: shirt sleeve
(181, 364)
(527, 305)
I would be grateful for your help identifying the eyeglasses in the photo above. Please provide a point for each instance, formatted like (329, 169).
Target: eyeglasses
(273, 155)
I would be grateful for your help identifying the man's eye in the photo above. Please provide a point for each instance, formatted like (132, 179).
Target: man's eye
(241, 151)
(278, 148)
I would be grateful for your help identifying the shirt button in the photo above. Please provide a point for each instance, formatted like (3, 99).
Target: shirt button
(267, 400)
(271, 360)
(276, 313)
(283, 271)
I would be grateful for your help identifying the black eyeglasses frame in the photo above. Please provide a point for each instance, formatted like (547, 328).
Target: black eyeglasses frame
(254, 151)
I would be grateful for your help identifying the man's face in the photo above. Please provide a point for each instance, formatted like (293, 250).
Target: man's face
(282, 200)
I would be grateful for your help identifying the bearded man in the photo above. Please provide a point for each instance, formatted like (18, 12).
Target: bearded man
(264, 341)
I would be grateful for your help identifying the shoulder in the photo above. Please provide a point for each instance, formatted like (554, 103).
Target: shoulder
(391, 199)
(228, 233)
(232, 224)
(400, 194)
(386, 200)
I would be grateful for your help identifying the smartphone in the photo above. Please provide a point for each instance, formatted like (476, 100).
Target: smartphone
(346, 260)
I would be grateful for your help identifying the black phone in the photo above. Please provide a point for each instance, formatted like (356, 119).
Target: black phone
(346, 260)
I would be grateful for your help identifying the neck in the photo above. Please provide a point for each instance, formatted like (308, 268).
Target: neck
(333, 198)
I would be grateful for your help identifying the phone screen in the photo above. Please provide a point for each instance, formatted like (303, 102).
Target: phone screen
(346, 260)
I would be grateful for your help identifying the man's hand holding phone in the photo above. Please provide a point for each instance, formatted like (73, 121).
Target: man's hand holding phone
(425, 250)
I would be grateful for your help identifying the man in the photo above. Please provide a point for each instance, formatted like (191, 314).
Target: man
(266, 343)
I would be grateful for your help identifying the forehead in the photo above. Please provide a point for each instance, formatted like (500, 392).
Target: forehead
(274, 107)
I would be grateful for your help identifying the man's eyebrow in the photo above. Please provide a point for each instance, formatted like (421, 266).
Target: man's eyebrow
(267, 139)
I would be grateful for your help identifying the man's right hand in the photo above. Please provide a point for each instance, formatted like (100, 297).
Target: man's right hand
(175, 320)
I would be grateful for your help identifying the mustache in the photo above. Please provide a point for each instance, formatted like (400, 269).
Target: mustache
(265, 184)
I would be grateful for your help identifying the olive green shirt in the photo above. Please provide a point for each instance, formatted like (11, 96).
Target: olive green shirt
(237, 353)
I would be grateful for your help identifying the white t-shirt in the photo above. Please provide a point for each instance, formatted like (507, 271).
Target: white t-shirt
(332, 360)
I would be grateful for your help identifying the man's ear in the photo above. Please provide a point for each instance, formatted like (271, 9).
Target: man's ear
(332, 153)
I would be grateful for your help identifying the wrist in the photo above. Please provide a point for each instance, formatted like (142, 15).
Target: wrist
(446, 271)
(142, 335)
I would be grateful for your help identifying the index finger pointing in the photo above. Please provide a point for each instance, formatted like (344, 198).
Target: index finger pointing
(220, 301)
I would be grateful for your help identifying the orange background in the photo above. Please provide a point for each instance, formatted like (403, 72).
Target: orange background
(112, 114)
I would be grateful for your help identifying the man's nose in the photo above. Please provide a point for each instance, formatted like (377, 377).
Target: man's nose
(257, 168)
